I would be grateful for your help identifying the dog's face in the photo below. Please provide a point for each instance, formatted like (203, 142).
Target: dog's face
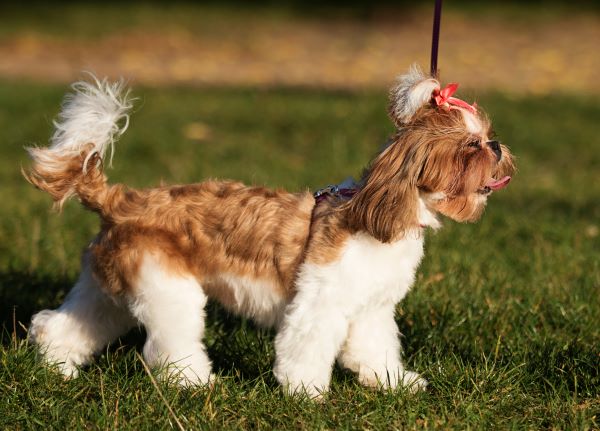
(443, 152)
(462, 164)
(448, 147)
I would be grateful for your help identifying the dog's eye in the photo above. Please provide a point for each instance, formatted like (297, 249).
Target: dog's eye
(474, 144)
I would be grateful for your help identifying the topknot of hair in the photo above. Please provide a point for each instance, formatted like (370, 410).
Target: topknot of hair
(411, 91)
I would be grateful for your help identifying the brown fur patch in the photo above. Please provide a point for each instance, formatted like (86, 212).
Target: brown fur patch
(205, 230)
(328, 233)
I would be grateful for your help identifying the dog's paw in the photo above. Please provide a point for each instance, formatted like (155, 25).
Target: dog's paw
(187, 377)
(413, 382)
(37, 328)
(309, 392)
(54, 344)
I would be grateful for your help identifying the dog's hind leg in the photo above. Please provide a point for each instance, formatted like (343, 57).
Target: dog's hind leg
(87, 321)
(170, 304)
(372, 350)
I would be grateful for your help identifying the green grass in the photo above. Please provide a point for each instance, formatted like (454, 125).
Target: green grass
(503, 319)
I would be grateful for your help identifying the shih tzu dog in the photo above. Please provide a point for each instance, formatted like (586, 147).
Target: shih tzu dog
(326, 272)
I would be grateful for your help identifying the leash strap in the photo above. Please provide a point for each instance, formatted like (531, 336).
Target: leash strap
(435, 39)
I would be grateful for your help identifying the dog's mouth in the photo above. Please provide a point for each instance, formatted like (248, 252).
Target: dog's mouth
(493, 184)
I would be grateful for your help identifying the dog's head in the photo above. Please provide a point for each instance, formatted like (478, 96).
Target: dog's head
(443, 153)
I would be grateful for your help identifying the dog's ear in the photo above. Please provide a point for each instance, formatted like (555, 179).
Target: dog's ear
(387, 203)
(412, 91)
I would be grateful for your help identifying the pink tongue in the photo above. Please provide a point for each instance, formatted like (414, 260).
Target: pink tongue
(498, 184)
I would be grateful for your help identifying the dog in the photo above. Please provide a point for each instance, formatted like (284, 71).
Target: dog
(326, 273)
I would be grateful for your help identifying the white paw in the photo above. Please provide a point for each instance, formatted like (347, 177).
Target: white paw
(413, 381)
(187, 377)
(54, 352)
(68, 369)
(37, 328)
(310, 391)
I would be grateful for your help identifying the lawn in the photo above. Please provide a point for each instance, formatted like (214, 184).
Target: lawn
(503, 320)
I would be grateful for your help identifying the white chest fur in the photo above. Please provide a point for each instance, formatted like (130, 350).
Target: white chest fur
(381, 272)
(367, 274)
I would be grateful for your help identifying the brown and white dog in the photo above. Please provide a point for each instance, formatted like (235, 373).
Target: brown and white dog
(326, 274)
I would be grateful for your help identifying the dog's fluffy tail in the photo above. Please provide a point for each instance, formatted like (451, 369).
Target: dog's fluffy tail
(92, 118)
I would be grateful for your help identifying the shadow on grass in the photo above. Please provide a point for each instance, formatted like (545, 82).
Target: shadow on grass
(237, 347)
(23, 293)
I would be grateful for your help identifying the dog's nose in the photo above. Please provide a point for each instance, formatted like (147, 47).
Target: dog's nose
(495, 146)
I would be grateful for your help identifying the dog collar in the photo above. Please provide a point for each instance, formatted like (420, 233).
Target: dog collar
(338, 192)
(335, 191)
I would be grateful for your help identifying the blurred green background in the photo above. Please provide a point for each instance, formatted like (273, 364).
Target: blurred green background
(504, 316)
(534, 47)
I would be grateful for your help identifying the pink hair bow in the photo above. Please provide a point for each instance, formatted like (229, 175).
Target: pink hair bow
(444, 97)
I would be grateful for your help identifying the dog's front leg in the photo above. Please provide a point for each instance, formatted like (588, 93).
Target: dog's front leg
(309, 339)
(372, 350)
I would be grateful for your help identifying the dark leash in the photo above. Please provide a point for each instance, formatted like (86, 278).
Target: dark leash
(334, 190)
(435, 38)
